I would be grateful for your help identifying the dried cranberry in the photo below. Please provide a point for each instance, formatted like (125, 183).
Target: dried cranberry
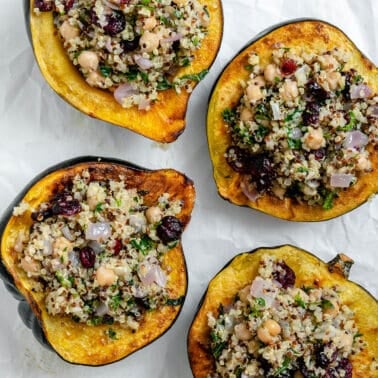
(65, 204)
(316, 91)
(107, 319)
(176, 46)
(320, 153)
(288, 66)
(87, 257)
(116, 23)
(43, 5)
(310, 115)
(68, 4)
(285, 276)
(117, 247)
(321, 358)
(346, 365)
(169, 229)
(262, 172)
(143, 303)
(238, 159)
(130, 45)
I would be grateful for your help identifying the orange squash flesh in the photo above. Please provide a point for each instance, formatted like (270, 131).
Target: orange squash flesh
(309, 36)
(308, 269)
(164, 122)
(77, 342)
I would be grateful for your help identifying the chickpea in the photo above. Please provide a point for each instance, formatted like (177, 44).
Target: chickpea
(68, 32)
(246, 115)
(61, 245)
(149, 23)
(149, 41)
(290, 90)
(333, 310)
(153, 214)
(88, 60)
(105, 276)
(333, 80)
(271, 72)
(29, 265)
(242, 332)
(314, 139)
(268, 330)
(244, 293)
(94, 79)
(254, 93)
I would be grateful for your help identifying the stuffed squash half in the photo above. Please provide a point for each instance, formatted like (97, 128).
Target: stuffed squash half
(293, 123)
(282, 312)
(93, 247)
(133, 63)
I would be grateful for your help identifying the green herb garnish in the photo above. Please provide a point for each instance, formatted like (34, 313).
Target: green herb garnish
(112, 334)
(175, 301)
(98, 207)
(144, 245)
(229, 116)
(105, 71)
(283, 368)
(299, 301)
(195, 77)
(328, 200)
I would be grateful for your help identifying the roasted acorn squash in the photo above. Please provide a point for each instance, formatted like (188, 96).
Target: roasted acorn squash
(78, 342)
(310, 36)
(164, 122)
(310, 272)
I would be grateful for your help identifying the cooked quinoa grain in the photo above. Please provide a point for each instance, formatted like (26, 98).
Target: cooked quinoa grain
(274, 329)
(301, 127)
(131, 47)
(94, 250)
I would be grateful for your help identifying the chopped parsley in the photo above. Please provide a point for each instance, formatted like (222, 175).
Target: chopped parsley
(105, 71)
(285, 366)
(351, 124)
(115, 302)
(175, 301)
(143, 245)
(98, 207)
(112, 334)
(229, 116)
(328, 200)
(299, 301)
(217, 345)
(195, 77)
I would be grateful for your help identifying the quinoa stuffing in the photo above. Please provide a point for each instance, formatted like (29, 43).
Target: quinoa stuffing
(96, 251)
(301, 127)
(273, 329)
(131, 47)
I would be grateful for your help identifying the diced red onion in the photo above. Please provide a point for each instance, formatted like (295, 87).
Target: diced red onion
(296, 133)
(74, 258)
(355, 139)
(137, 221)
(99, 231)
(150, 273)
(123, 91)
(102, 309)
(173, 38)
(262, 288)
(372, 111)
(341, 180)
(277, 115)
(249, 189)
(360, 91)
(67, 233)
(47, 247)
(96, 246)
(143, 63)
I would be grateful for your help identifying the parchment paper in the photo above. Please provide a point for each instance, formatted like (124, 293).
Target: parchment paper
(38, 129)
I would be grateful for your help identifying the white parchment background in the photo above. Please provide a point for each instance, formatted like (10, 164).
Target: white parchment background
(38, 129)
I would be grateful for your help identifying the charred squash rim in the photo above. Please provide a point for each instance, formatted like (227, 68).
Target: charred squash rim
(310, 34)
(76, 342)
(241, 270)
(163, 123)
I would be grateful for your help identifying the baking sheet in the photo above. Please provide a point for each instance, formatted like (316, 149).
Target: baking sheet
(38, 129)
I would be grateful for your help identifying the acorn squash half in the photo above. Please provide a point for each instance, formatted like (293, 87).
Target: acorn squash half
(311, 36)
(310, 271)
(164, 122)
(77, 342)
